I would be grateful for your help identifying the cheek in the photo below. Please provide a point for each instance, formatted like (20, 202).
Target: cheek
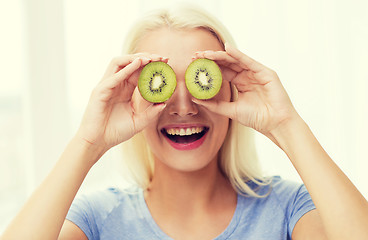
(222, 121)
(225, 92)
(151, 132)
(151, 136)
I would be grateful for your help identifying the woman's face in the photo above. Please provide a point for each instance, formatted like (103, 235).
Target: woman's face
(193, 151)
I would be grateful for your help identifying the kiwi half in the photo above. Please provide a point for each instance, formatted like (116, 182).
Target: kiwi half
(157, 82)
(203, 78)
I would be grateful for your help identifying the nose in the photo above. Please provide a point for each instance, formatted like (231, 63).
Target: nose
(180, 103)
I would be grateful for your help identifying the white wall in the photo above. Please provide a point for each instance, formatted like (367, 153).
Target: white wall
(54, 53)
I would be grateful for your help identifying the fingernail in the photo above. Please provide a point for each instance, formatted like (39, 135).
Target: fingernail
(145, 60)
(161, 106)
(226, 45)
(195, 100)
(137, 60)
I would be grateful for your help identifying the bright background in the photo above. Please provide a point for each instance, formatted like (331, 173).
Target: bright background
(54, 52)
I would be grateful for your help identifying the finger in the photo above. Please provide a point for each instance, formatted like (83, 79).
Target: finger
(141, 120)
(120, 62)
(228, 74)
(117, 64)
(224, 108)
(246, 62)
(134, 76)
(243, 83)
(124, 74)
(131, 74)
(216, 55)
(229, 66)
(107, 89)
(152, 56)
(156, 58)
(221, 58)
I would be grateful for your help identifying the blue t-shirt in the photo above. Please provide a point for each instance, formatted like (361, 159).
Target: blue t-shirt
(114, 214)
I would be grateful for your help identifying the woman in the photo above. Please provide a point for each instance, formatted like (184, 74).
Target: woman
(210, 190)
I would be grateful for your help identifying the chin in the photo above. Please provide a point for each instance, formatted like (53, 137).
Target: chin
(192, 161)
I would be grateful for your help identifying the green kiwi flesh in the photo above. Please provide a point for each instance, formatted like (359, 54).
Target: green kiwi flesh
(157, 82)
(203, 78)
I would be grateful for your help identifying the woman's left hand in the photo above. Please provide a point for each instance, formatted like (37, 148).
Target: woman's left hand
(262, 104)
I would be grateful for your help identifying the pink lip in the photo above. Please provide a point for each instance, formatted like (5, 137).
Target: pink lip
(187, 146)
(183, 125)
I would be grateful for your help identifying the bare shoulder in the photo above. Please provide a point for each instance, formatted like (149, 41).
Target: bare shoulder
(309, 227)
(70, 231)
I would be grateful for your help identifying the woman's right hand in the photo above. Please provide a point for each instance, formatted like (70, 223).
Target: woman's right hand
(110, 117)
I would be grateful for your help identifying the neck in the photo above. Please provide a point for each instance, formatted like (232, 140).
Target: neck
(188, 191)
(199, 203)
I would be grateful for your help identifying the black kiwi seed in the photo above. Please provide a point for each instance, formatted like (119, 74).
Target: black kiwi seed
(157, 82)
(203, 78)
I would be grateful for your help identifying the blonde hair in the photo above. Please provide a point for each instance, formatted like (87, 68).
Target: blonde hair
(237, 156)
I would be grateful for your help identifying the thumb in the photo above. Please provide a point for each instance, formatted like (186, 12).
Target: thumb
(224, 108)
(142, 119)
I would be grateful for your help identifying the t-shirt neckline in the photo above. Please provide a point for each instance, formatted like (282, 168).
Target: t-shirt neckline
(162, 235)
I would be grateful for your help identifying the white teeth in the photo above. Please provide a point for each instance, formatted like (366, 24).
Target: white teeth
(184, 131)
(170, 131)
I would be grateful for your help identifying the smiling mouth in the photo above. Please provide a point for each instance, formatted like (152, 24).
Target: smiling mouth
(184, 135)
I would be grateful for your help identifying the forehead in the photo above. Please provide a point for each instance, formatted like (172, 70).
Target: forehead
(178, 45)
